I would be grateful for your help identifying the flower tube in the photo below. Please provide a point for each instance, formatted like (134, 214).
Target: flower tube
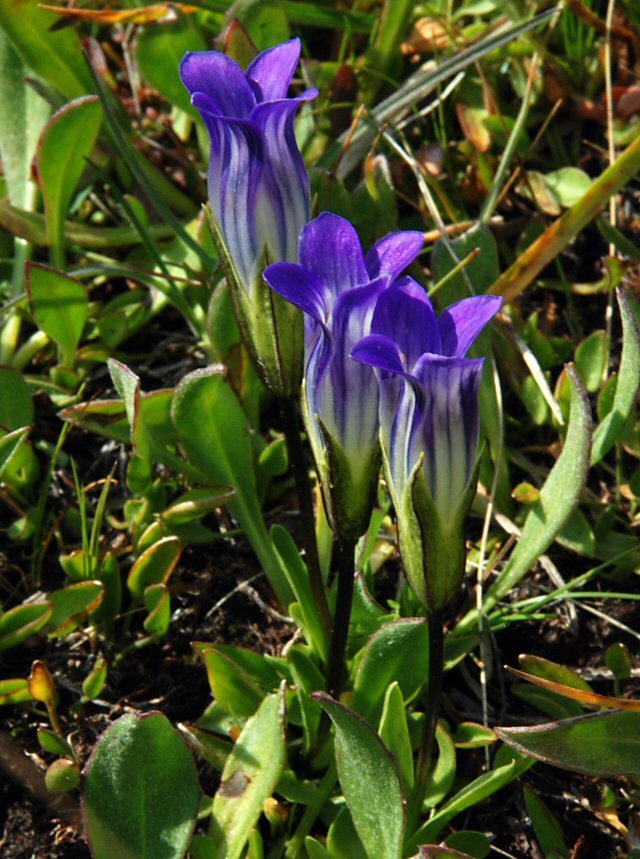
(258, 192)
(429, 426)
(337, 288)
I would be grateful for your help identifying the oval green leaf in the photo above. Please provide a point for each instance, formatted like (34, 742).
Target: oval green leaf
(141, 791)
(60, 307)
(369, 779)
(602, 744)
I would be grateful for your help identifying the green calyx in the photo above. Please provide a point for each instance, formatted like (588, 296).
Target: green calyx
(271, 328)
(432, 549)
(347, 493)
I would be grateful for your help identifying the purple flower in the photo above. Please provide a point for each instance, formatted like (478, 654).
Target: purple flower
(428, 411)
(258, 185)
(337, 288)
(258, 192)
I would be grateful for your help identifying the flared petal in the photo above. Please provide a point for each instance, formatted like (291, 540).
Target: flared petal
(220, 78)
(380, 352)
(392, 254)
(235, 175)
(404, 314)
(330, 248)
(461, 323)
(284, 196)
(272, 71)
(300, 287)
(445, 428)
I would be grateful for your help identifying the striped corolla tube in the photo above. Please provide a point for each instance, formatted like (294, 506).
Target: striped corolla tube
(429, 424)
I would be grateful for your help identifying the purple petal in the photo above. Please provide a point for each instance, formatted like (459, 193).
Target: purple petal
(392, 254)
(379, 352)
(235, 177)
(219, 77)
(461, 323)
(284, 201)
(404, 314)
(273, 70)
(446, 428)
(330, 248)
(299, 286)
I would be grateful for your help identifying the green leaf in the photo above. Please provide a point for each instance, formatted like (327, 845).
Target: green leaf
(154, 566)
(394, 733)
(14, 691)
(141, 791)
(569, 184)
(470, 735)
(10, 444)
(65, 144)
(602, 744)
(592, 355)
(22, 621)
(546, 827)
(60, 307)
(558, 497)
(608, 432)
(444, 772)
(478, 275)
(196, 503)
(540, 667)
(16, 405)
(618, 660)
(158, 604)
(297, 575)
(308, 679)
(264, 20)
(71, 605)
(93, 683)
(399, 652)
(232, 687)
(214, 433)
(472, 794)
(474, 844)
(159, 49)
(250, 776)
(56, 57)
(18, 138)
(370, 781)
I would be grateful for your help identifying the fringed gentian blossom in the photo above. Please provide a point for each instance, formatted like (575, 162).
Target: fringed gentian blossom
(337, 287)
(429, 426)
(258, 191)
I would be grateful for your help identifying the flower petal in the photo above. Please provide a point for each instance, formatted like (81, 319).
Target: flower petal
(219, 77)
(392, 254)
(404, 314)
(330, 248)
(299, 286)
(272, 70)
(235, 177)
(461, 323)
(446, 428)
(379, 352)
(284, 198)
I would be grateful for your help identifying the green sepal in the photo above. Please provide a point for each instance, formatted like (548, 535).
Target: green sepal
(348, 498)
(271, 328)
(432, 550)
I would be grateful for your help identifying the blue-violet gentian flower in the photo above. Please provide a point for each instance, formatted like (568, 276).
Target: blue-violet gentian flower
(429, 426)
(337, 287)
(258, 192)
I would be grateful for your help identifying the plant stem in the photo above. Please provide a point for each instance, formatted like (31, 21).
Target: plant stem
(423, 770)
(340, 631)
(289, 412)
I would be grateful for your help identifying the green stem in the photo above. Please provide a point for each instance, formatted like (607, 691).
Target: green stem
(434, 690)
(337, 648)
(290, 420)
